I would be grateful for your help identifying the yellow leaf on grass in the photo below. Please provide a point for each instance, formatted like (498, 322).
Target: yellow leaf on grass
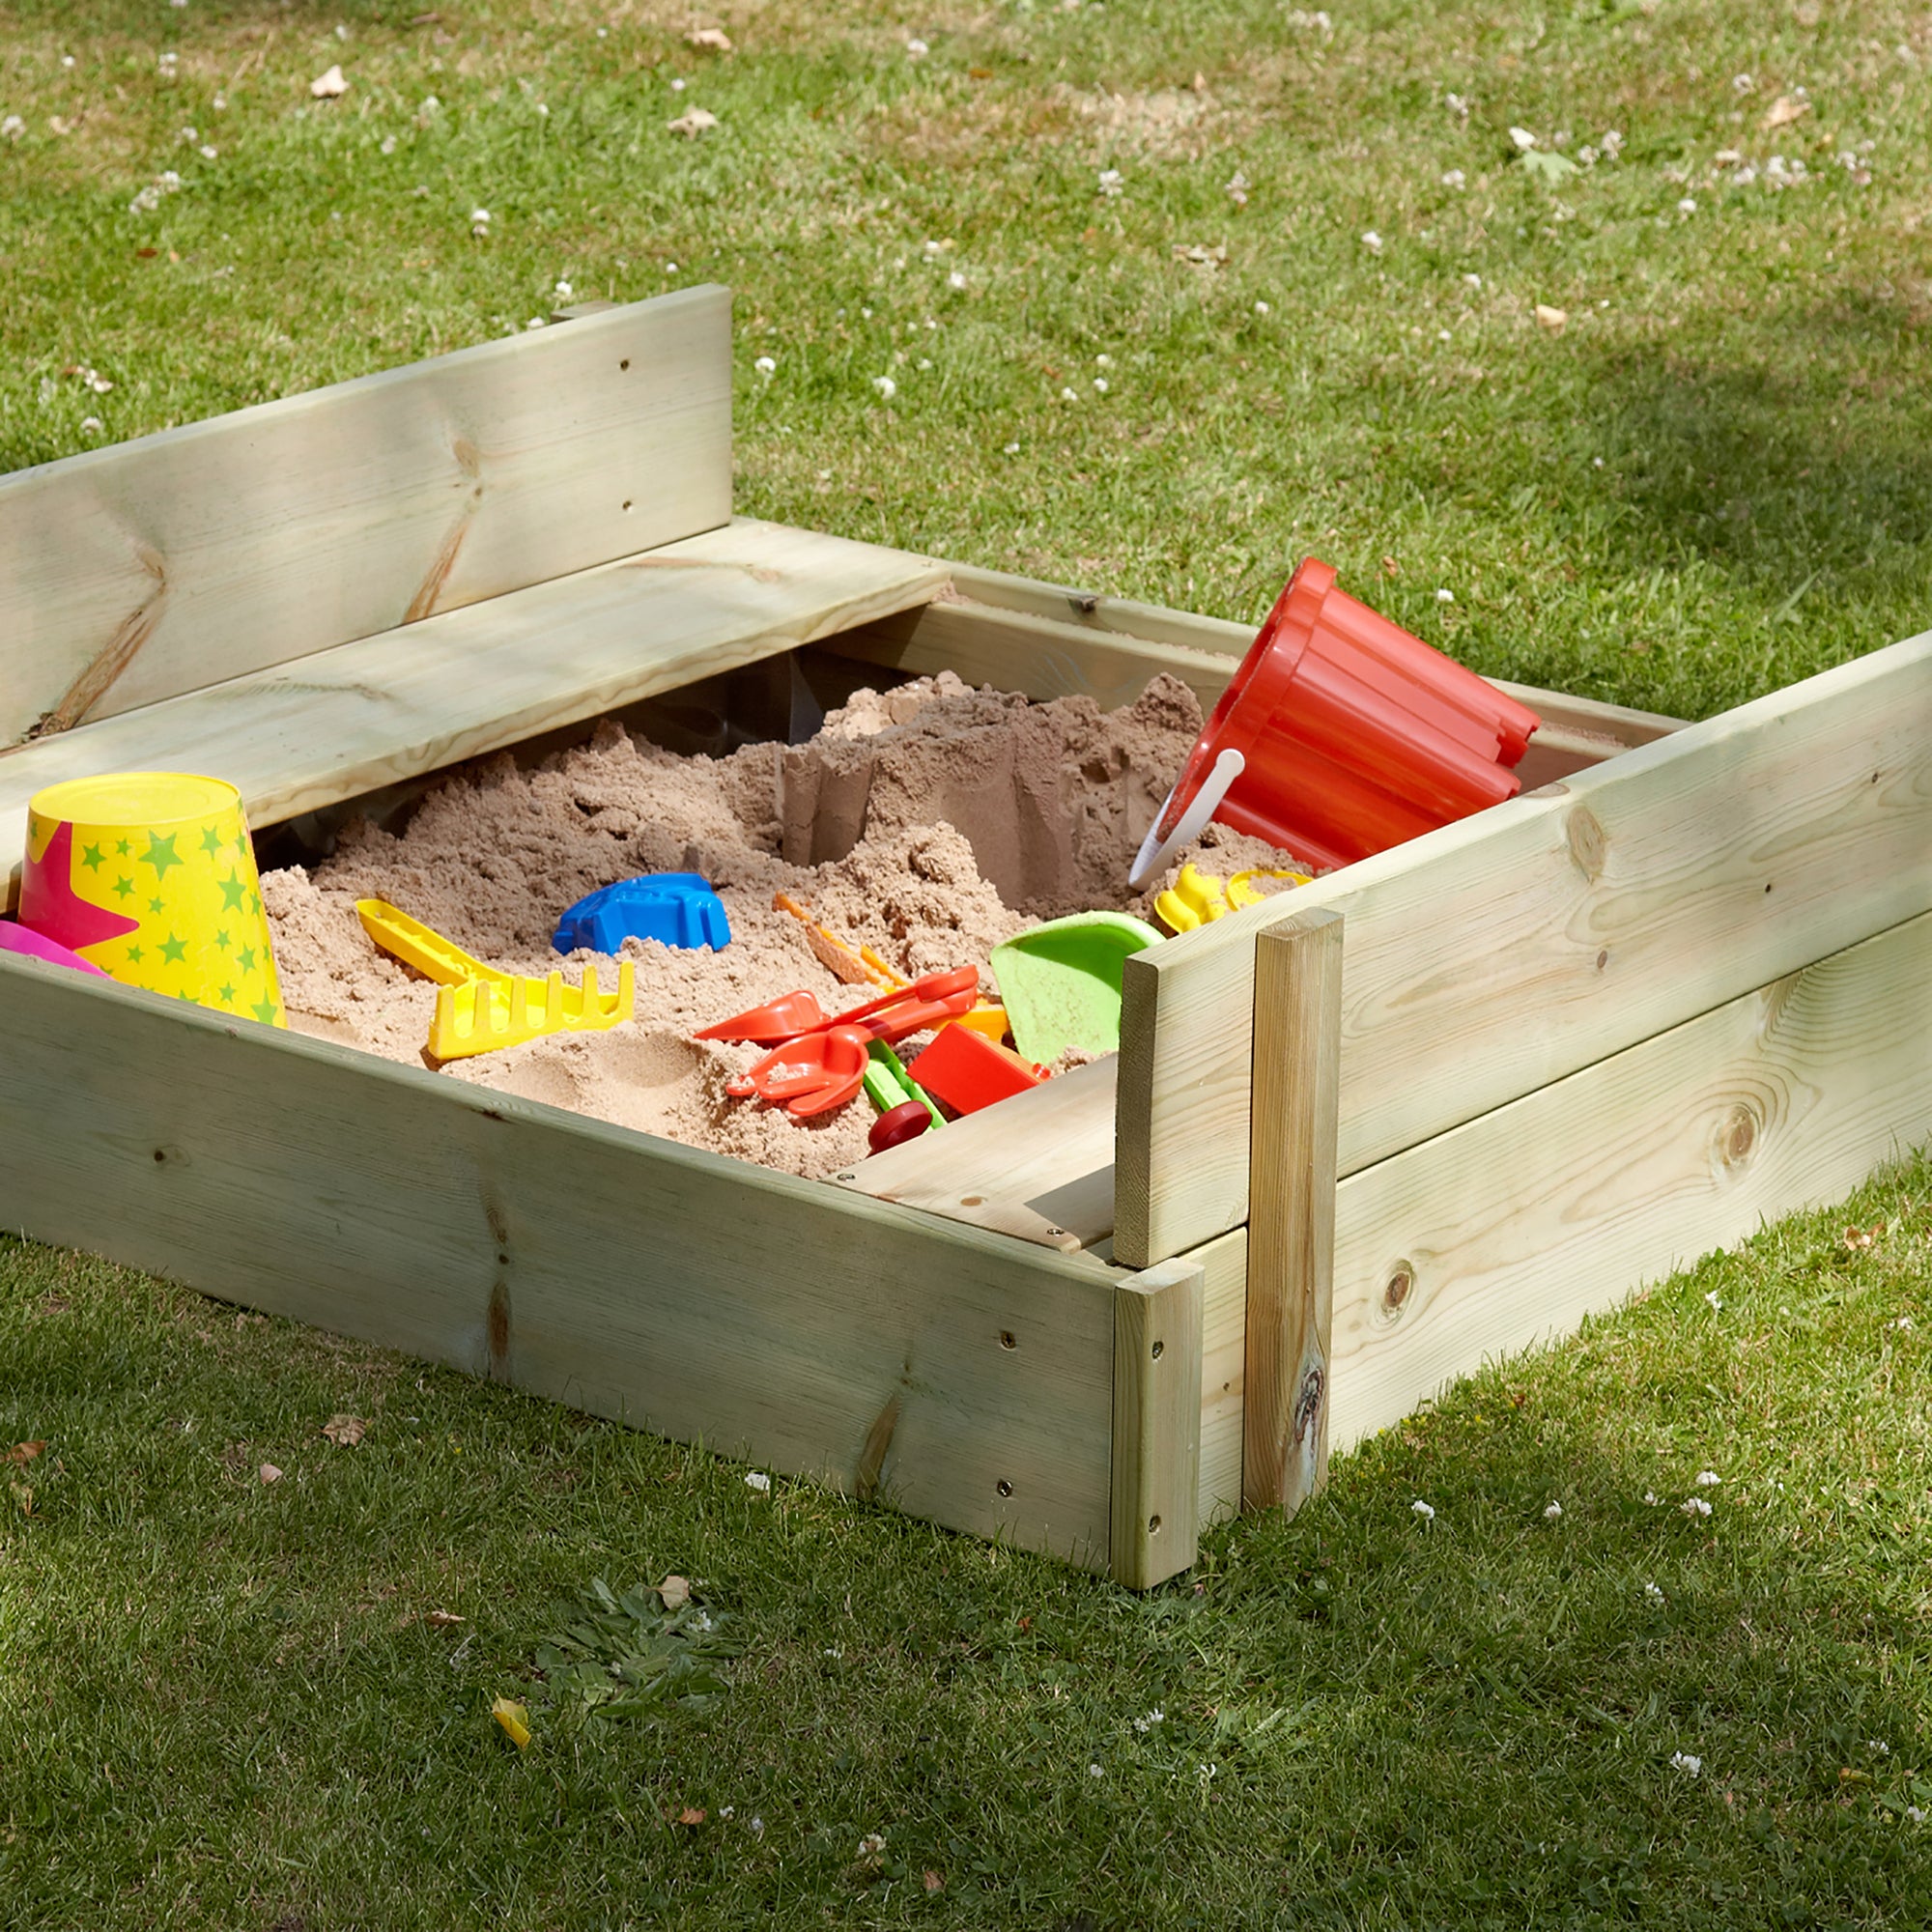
(675, 1592)
(514, 1718)
(1555, 319)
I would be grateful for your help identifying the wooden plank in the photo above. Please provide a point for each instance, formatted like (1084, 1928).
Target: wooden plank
(1040, 1166)
(1511, 1228)
(1224, 1330)
(1297, 1039)
(1026, 650)
(960, 1376)
(1108, 619)
(346, 720)
(133, 573)
(1156, 1477)
(1504, 952)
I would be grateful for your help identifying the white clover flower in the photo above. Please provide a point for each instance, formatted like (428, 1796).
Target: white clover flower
(1237, 188)
(1586, 156)
(1613, 144)
(678, 83)
(1111, 182)
(1011, 449)
(1683, 1761)
(1103, 361)
(1425, 1511)
(885, 387)
(1525, 140)
(1445, 596)
(765, 365)
(207, 153)
(1553, 1512)
(924, 362)
(955, 280)
(12, 128)
(917, 50)
(1070, 395)
(190, 136)
(1688, 205)
(1716, 1299)
(757, 1828)
(562, 292)
(91, 426)
(1904, 1321)
(758, 1483)
(479, 218)
(1743, 84)
(535, 322)
(1100, 383)
(1472, 280)
(168, 62)
(1146, 1724)
(1457, 105)
(1262, 308)
(1371, 241)
(1443, 335)
(1095, 1771)
(1653, 1593)
(871, 1845)
(1707, 1479)
(1651, 1497)
(1694, 1506)
(1455, 178)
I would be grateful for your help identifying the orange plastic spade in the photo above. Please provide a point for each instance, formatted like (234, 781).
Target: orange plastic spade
(891, 1016)
(810, 1074)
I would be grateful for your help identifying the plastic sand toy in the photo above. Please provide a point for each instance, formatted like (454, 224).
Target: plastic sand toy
(1061, 981)
(810, 1075)
(908, 1009)
(890, 1087)
(854, 965)
(480, 1016)
(675, 908)
(32, 945)
(1198, 897)
(150, 876)
(481, 1007)
(967, 1071)
(1341, 735)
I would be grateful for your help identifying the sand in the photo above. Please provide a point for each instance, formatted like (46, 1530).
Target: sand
(930, 821)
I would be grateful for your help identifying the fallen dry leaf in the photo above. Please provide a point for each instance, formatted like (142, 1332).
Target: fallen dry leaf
(514, 1718)
(694, 123)
(716, 39)
(442, 1619)
(1784, 110)
(23, 1452)
(1199, 256)
(690, 1816)
(326, 86)
(675, 1592)
(268, 1473)
(1555, 319)
(934, 1882)
(345, 1431)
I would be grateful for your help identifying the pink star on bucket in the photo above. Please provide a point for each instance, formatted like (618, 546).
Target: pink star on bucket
(56, 910)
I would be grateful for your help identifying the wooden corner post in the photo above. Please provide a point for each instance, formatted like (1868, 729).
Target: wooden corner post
(1154, 1519)
(1292, 1152)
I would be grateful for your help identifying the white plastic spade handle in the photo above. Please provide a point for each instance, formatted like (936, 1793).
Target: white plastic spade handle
(1156, 851)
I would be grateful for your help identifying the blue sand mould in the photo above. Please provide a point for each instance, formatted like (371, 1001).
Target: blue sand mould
(678, 908)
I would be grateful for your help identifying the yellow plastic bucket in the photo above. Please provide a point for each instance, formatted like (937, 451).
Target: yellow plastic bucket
(151, 875)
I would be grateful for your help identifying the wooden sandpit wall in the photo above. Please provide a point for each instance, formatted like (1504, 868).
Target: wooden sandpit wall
(1360, 1137)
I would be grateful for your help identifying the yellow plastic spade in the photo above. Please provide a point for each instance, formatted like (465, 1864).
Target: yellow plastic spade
(480, 1016)
(1198, 897)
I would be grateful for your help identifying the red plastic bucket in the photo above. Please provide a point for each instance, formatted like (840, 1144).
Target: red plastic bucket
(1341, 735)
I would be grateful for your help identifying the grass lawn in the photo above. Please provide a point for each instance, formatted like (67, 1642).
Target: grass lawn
(1153, 298)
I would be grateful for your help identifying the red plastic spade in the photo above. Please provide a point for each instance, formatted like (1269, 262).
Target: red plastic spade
(892, 1016)
(810, 1074)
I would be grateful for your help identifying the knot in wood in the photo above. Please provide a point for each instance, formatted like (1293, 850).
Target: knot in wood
(1308, 1402)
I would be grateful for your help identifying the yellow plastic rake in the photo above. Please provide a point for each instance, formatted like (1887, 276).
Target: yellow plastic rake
(481, 1007)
